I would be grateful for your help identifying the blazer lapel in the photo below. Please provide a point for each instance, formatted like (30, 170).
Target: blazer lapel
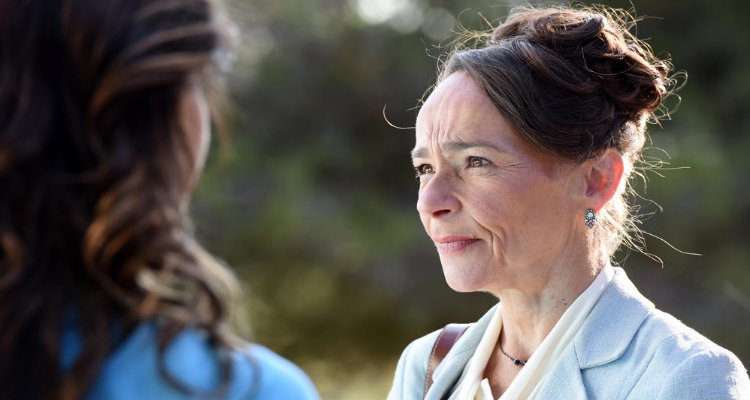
(612, 324)
(564, 380)
(603, 338)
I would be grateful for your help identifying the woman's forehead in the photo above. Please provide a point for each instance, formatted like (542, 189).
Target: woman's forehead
(459, 111)
(457, 93)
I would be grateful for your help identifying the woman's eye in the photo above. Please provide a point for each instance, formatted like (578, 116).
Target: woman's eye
(476, 162)
(424, 169)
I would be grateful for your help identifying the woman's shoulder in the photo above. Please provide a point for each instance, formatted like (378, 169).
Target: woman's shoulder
(409, 377)
(641, 325)
(689, 362)
(134, 370)
(670, 336)
(417, 353)
(279, 377)
(663, 337)
(665, 359)
(659, 352)
(411, 370)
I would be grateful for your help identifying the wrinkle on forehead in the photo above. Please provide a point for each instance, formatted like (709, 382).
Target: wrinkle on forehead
(458, 115)
(448, 98)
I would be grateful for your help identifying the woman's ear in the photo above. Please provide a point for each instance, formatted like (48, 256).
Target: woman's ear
(603, 179)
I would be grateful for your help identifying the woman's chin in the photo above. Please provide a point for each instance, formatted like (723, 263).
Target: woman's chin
(464, 281)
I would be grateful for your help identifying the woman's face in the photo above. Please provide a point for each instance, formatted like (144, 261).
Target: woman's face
(498, 211)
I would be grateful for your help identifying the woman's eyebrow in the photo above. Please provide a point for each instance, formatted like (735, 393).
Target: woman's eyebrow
(452, 147)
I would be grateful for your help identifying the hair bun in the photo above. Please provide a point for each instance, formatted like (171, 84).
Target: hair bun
(597, 44)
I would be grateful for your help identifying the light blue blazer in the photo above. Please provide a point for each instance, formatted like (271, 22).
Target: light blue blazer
(626, 349)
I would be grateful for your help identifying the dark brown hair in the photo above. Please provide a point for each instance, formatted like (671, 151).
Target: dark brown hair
(94, 166)
(572, 82)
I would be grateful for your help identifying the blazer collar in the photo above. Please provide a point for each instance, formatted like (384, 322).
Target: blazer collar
(620, 305)
(604, 337)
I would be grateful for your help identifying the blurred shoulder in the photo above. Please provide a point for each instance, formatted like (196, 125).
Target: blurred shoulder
(134, 370)
(279, 377)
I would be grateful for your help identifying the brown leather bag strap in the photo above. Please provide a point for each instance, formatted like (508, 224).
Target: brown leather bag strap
(444, 342)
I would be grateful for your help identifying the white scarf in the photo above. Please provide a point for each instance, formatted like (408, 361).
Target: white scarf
(473, 385)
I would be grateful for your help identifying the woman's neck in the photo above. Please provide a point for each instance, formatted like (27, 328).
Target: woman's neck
(529, 315)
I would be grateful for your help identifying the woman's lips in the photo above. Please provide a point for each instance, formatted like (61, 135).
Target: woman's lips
(449, 245)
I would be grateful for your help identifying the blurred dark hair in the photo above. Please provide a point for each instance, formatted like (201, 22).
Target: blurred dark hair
(573, 82)
(94, 172)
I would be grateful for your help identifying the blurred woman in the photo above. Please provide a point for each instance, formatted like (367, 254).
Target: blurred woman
(104, 127)
(523, 151)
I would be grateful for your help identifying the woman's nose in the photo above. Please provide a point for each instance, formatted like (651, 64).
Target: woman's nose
(437, 198)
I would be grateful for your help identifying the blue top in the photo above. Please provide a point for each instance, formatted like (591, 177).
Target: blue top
(132, 370)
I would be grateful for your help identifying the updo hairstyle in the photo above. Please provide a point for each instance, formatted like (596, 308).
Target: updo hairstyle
(573, 83)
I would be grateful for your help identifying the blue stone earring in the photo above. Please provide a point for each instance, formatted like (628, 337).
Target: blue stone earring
(590, 218)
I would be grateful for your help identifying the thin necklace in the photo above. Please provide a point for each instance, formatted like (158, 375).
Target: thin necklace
(516, 361)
